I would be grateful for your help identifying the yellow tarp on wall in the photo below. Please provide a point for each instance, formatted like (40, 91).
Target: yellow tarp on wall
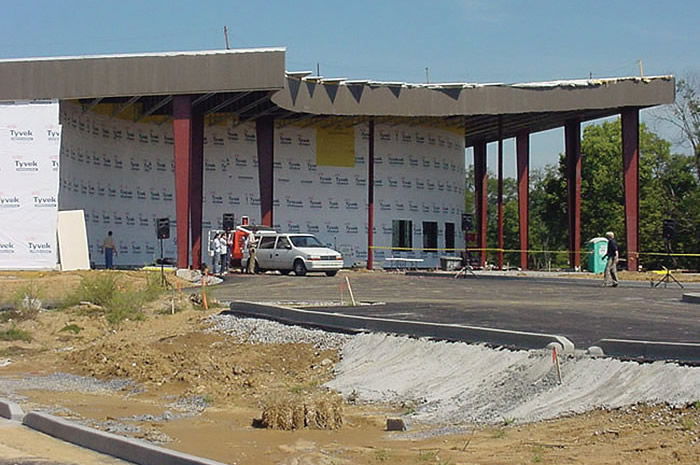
(335, 147)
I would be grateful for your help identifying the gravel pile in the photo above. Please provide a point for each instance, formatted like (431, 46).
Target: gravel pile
(258, 331)
(62, 382)
(191, 405)
(456, 383)
(147, 433)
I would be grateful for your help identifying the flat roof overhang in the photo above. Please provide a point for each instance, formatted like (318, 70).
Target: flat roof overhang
(246, 84)
(477, 108)
(105, 76)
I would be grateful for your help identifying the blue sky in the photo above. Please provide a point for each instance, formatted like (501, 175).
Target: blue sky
(458, 40)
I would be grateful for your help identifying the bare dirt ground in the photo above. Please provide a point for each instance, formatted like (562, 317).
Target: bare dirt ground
(201, 392)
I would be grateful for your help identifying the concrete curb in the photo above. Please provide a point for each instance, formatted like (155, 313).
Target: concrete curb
(133, 450)
(693, 298)
(10, 410)
(651, 350)
(355, 324)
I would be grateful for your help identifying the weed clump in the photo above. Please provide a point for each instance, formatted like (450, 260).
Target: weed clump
(26, 301)
(15, 334)
(105, 293)
(71, 328)
(98, 289)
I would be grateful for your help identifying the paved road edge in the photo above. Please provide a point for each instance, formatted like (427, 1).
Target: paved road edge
(133, 450)
(651, 350)
(356, 323)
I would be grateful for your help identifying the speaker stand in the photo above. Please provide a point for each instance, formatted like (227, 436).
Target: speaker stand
(163, 280)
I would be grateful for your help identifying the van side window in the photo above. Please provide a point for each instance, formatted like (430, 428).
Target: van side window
(267, 242)
(283, 243)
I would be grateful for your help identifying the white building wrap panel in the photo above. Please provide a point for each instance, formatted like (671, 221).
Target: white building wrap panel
(29, 157)
(122, 174)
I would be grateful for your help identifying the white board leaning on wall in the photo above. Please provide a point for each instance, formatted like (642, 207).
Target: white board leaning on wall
(72, 241)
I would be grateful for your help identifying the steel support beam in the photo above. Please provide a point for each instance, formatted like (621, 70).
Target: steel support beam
(572, 142)
(164, 101)
(182, 150)
(481, 198)
(197, 187)
(265, 133)
(499, 200)
(92, 104)
(630, 163)
(229, 101)
(370, 197)
(121, 108)
(201, 98)
(522, 148)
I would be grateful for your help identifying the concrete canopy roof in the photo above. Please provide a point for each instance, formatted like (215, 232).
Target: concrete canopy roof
(250, 83)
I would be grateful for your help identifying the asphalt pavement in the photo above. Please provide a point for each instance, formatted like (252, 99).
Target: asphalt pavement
(579, 309)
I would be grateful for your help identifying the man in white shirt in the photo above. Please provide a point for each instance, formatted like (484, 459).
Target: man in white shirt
(216, 259)
(251, 245)
(223, 254)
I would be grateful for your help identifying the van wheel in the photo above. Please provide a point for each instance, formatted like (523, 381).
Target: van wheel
(299, 268)
(257, 268)
(331, 273)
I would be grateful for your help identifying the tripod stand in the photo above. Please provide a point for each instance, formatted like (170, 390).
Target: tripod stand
(667, 277)
(467, 268)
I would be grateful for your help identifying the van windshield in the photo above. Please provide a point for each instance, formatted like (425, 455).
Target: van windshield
(305, 241)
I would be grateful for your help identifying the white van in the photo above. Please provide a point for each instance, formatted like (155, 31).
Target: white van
(300, 253)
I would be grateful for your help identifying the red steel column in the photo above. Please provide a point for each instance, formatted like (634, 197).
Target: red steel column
(522, 148)
(370, 197)
(501, 243)
(265, 133)
(572, 139)
(481, 197)
(630, 163)
(197, 187)
(182, 149)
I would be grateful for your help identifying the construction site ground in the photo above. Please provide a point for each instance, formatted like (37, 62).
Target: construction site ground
(201, 392)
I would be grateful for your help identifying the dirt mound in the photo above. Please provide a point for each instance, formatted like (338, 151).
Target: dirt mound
(208, 364)
(318, 411)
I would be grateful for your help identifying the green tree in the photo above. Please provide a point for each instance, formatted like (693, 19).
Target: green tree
(548, 218)
(510, 219)
(510, 214)
(684, 114)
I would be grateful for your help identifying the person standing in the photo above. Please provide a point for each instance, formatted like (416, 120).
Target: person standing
(216, 259)
(612, 256)
(110, 251)
(252, 244)
(223, 254)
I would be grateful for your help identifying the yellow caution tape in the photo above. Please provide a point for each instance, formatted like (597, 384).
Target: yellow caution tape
(475, 249)
(669, 254)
